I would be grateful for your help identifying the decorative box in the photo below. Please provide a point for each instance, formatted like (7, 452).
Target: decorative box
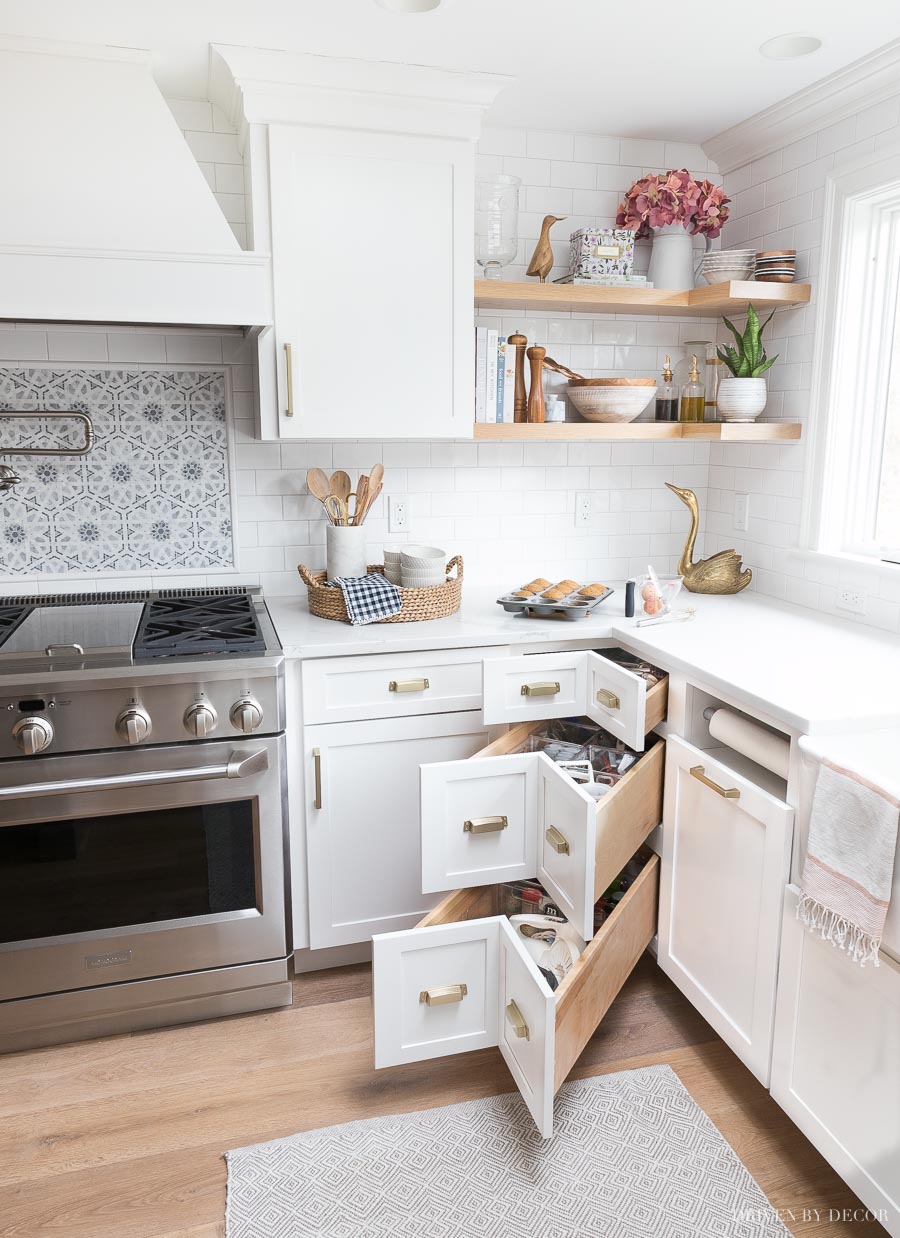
(601, 251)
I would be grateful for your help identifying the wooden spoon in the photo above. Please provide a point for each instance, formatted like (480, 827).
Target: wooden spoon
(362, 492)
(318, 484)
(341, 485)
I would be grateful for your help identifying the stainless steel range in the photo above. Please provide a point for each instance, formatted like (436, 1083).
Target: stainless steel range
(142, 847)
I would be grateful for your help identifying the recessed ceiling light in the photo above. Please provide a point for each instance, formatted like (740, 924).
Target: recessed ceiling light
(790, 46)
(409, 6)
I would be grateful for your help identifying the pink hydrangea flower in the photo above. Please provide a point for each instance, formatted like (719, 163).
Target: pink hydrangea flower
(675, 197)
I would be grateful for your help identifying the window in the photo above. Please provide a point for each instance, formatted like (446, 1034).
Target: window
(856, 404)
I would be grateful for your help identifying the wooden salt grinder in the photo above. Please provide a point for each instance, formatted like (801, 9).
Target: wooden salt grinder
(519, 342)
(536, 410)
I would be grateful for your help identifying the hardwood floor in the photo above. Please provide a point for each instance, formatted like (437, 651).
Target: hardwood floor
(123, 1138)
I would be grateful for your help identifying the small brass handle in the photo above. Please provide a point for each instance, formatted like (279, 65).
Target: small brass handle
(289, 375)
(728, 793)
(609, 699)
(443, 995)
(317, 764)
(517, 1020)
(485, 825)
(558, 841)
(541, 689)
(409, 685)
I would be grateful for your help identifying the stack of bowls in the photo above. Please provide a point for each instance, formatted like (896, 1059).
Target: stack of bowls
(776, 266)
(728, 264)
(422, 566)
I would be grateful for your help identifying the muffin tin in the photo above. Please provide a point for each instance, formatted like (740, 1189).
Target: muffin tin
(572, 606)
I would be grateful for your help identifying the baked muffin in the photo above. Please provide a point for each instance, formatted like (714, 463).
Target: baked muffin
(555, 594)
(537, 585)
(524, 593)
(568, 586)
(591, 591)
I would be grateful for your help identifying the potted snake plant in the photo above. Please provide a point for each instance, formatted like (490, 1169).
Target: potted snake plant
(743, 396)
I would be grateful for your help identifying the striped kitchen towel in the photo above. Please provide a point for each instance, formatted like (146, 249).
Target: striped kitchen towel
(845, 887)
(369, 598)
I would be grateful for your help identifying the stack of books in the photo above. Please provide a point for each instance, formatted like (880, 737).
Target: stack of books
(495, 376)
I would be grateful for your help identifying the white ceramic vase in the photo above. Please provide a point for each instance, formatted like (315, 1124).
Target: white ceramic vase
(741, 399)
(672, 258)
(345, 547)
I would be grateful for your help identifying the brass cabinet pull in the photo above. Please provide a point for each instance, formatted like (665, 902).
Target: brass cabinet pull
(409, 685)
(728, 793)
(485, 825)
(289, 375)
(609, 699)
(317, 764)
(443, 995)
(517, 1021)
(558, 841)
(541, 689)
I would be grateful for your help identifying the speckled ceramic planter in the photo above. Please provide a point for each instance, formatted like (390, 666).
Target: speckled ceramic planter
(741, 399)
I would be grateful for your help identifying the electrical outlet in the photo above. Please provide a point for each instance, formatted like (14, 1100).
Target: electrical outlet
(398, 513)
(583, 510)
(853, 600)
(742, 512)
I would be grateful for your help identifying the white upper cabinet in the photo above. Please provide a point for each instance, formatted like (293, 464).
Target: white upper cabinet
(362, 187)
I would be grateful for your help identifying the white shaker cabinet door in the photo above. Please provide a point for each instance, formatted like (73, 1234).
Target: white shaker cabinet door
(372, 254)
(725, 863)
(361, 788)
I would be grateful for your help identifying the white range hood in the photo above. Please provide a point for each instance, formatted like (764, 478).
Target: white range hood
(105, 215)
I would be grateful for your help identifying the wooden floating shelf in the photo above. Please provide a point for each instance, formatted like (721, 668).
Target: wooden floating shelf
(640, 432)
(732, 297)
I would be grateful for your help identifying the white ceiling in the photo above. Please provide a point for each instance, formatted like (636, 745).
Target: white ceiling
(652, 70)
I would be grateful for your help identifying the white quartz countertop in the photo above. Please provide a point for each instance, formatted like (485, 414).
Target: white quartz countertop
(815, 673)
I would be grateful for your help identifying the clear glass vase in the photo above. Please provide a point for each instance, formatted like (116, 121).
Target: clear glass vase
(496, 223)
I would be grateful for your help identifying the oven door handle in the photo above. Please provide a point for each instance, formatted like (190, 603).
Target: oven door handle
(237, 766)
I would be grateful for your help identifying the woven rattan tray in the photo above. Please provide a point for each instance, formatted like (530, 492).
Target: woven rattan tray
(435, 602)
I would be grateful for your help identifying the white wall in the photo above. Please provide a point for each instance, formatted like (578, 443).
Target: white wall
(779, 204)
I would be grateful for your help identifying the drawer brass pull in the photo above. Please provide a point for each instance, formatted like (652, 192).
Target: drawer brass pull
(728, 793)
(609, 699)
(408, 685)
(541, 689)
(517, 1021)
(289, 378)
(485, 825)
(557, 841)
(317, 765)
(444, 995)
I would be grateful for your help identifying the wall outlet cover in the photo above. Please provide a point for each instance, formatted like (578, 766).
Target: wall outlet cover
(742, 512)
(583, 510)
(853, 600)
(398, 513)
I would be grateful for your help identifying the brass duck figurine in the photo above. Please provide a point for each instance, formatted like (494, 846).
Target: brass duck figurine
(542, 258)
(720, 573)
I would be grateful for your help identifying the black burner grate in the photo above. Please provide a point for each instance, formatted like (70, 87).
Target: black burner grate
(183, 624)
(10, 618)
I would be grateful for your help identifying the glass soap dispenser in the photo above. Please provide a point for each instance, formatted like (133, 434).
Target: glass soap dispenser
(667, 396)
(693, 395)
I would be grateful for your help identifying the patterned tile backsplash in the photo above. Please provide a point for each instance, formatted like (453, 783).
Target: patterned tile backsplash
(155, 491)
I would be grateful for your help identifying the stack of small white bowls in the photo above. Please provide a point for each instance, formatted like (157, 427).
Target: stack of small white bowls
(422, 566)
(729, 264)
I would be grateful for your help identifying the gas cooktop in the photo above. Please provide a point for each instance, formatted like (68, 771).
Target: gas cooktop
(129, 628)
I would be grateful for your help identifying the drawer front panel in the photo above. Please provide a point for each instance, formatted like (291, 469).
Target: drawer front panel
(392, 685)
(534, 686)
(616, 699)
(527, 1024)
(478, 821)
(566, 846)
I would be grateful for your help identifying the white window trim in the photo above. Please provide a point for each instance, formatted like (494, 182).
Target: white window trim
(845, 374)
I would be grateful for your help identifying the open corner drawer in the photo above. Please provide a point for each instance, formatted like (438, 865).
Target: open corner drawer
(576, 683)
(461, 980)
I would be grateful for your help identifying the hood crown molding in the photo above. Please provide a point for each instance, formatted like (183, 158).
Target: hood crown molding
(865, 82)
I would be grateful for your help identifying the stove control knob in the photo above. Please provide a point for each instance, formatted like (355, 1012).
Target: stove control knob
(246, 715)
(201, 720)
(133, 724)
(33, 735)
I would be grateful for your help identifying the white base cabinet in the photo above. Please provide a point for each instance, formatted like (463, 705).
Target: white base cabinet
(726, 859)
(836, 1061)
(363, 847)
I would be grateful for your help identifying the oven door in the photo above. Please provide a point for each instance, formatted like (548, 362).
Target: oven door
(133, 864)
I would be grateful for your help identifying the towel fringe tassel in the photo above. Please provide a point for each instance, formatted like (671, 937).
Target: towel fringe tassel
(861, 947)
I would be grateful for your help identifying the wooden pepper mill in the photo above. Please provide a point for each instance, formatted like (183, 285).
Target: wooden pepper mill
(536, 410)
(519, 342)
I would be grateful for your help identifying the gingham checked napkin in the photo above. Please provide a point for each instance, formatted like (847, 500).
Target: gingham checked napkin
(368, 598)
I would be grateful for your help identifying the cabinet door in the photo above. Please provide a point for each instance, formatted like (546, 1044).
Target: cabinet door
(363, 843)
(372, 252)
(726, 857)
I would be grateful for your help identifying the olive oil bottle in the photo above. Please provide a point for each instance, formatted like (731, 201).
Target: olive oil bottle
(693, 395)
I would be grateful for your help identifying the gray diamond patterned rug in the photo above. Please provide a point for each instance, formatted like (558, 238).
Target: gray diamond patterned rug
(632, 1156)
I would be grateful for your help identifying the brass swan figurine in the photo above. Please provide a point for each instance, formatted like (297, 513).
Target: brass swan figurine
(720, 573)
